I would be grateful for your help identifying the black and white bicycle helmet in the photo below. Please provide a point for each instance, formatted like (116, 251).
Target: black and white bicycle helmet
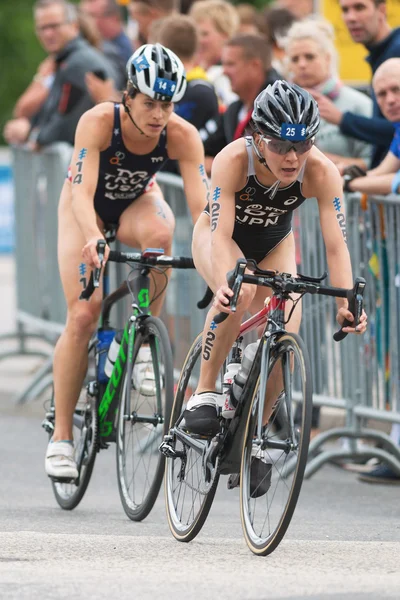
(157, 72)
(283, 103)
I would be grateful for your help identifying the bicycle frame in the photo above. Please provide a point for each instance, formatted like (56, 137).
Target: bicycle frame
(272, 314)
(109, 394)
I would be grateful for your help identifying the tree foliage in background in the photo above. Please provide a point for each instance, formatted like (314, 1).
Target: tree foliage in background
(20, 53)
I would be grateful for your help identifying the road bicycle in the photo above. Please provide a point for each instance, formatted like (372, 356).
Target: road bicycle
(126, 408)
(267, 461)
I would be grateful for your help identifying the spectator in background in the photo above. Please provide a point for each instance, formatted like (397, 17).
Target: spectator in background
(56, 23)
(384, 179)
(246, 61)
(199, 104)
(275, 24)
(37, 91)
(217, 21)
(312, 62)
(108, 18)
(367, 24)
(248, 18)
(145, 12)
(298, 8)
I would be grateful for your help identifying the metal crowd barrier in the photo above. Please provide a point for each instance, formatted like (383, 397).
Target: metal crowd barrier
(359, 375)
(41, 310)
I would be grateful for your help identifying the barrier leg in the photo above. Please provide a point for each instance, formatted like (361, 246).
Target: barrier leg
(40, 381)
(22, 337)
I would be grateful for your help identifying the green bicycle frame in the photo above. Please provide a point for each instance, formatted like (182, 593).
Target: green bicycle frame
(109, 398)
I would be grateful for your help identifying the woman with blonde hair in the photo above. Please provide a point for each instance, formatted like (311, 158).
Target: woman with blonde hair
(217, 21)
(312, 62)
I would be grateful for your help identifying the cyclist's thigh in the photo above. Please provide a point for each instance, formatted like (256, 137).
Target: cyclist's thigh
(201, 251)
(74, 272)
(148, 220)
(283, 259)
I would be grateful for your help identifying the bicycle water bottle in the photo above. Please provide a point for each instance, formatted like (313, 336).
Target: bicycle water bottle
(241, 376)
(113, 352)
(104, 338)
(227, 407)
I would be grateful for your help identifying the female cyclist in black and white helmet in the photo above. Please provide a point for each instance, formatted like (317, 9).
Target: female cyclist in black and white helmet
(112, 183)
(256, 184)
(157, 72)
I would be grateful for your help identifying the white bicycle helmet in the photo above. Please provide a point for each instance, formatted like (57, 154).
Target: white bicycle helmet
(157, 72)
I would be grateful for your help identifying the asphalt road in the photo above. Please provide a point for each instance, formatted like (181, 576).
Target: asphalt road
(344, 541)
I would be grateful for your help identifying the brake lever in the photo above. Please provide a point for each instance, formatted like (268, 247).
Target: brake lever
(94, 280)
(234, 278)
(355, 299)
(100, 249)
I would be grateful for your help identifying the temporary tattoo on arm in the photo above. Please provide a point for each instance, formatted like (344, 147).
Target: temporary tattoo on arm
(205, 181)
(215, 209)
(208, 345)
(79, 176)
(340, 217)
(160, 210)
(82, 273)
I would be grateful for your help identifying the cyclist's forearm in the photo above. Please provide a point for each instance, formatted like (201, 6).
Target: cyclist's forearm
(340, 272)
(83, 209)
(221, 259)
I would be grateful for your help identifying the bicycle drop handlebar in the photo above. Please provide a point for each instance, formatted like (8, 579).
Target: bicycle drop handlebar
(148, 258)
(283, 284)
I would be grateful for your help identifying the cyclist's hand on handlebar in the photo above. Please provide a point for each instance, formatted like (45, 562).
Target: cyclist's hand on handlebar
(222, 299)
(344, 313)
(224, 294)
(89, 252)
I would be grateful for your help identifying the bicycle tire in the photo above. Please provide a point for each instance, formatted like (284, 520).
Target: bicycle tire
(69, 495)
(292, 347)
(181, 532)
(144, 450)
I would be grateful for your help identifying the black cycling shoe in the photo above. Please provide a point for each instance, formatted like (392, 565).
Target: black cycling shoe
(260, 478)
(202, 420)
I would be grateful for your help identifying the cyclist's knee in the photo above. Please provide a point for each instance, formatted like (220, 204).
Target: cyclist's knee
(82, 319)
(248, 293)
(160, 237)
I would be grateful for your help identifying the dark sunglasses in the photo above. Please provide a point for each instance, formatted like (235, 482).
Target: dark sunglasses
(284, 146)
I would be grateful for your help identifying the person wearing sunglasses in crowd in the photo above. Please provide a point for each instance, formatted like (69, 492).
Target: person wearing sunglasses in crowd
(256, 184)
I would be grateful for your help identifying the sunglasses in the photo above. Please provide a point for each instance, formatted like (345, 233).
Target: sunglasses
(284, 146)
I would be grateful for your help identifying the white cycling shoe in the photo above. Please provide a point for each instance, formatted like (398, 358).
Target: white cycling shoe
(143, 378)
(60, 461)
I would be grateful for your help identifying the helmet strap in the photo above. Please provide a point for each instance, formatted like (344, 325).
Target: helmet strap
(128, 112)
(274, 187)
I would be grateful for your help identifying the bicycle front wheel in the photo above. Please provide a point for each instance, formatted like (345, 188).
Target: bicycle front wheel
(189, 486)
(273, 464)
(85, 436)
(143, 418)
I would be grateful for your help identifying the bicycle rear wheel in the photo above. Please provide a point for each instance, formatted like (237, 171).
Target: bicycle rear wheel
(272, 467)
(143, 417)
(85, 435)
(189, 487)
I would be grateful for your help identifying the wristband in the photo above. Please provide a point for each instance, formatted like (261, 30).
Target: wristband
(346, 181)
(396, 183)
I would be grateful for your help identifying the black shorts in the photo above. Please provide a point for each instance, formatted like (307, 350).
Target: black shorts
(257, 245)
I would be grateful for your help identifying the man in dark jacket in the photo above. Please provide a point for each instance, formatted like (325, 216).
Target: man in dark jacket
(58, 31)
(57, 28)
(367, 24)
(247, 62)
